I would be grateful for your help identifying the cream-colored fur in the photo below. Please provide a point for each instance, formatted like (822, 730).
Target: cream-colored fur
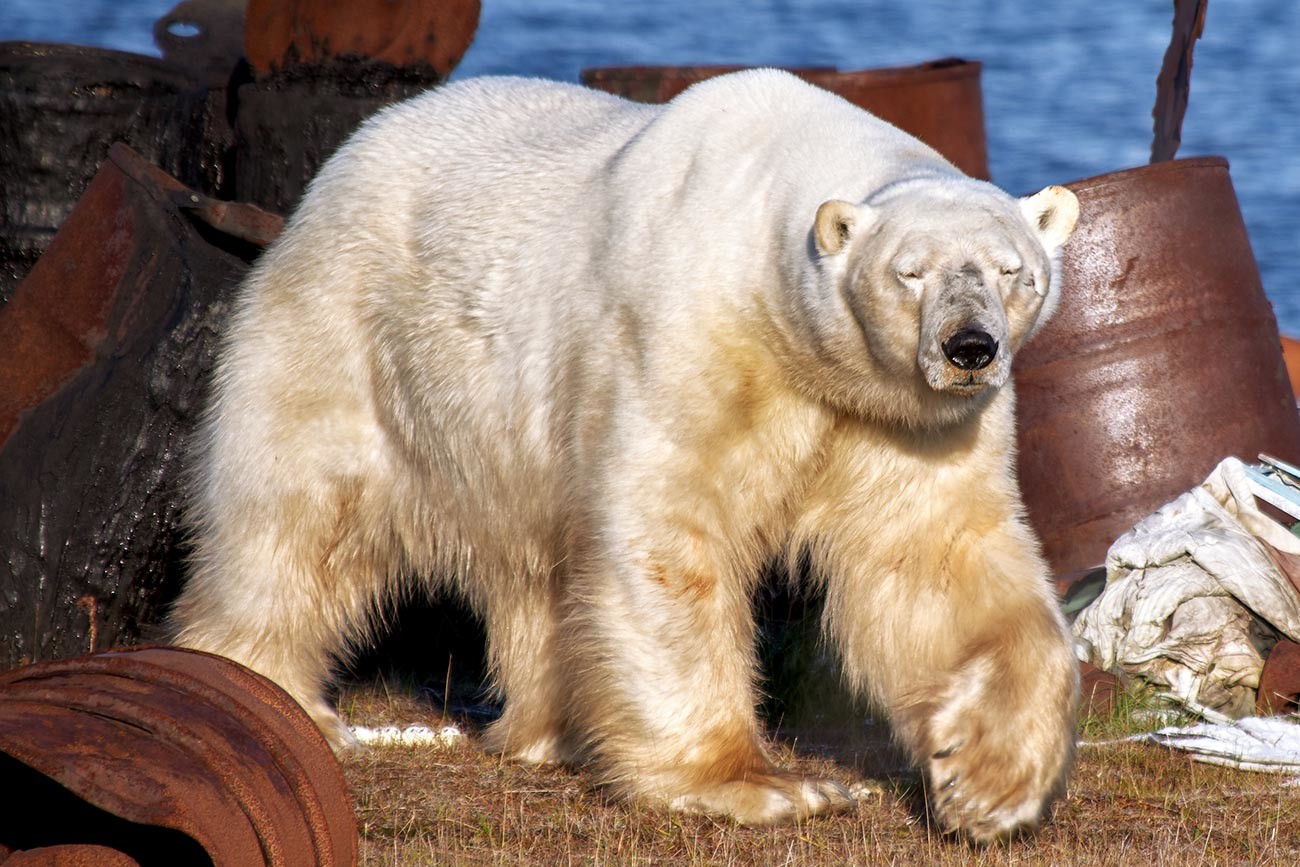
(592, 365)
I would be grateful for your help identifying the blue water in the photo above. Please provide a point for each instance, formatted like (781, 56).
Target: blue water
(1068, 85)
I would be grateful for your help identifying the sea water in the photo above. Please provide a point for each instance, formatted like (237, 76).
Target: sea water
(1068, 86)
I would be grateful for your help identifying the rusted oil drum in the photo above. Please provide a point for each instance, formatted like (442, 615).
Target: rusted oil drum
(939, 102)
(1162, 359)
(168, 756)
(61, 108)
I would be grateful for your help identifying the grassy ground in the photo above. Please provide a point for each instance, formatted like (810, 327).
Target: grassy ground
(1129, 804)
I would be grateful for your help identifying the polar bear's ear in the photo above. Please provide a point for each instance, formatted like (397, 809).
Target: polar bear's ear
(834, 225)
(1051, 213)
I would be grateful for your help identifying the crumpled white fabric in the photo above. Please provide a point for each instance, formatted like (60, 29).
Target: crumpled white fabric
(1270, 744)
(1190, 596)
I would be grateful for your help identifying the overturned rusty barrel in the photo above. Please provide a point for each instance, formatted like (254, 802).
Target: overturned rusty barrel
(1162, 359)
(61, 108)
(167, 756)
(939, 102)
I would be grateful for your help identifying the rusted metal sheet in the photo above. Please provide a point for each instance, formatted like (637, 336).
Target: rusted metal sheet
(1100, 689)
(62, 107)
(107, 347)
(432, 34)
(189, 752)
(1162, 359)
(1291, 354)
(1174, 84)
(68, 856)
(939, 102)
(661, 83)
(1279, 682)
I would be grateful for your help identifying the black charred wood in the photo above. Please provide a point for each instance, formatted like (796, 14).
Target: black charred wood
(109, 342)
(289, 122)
(63, 106)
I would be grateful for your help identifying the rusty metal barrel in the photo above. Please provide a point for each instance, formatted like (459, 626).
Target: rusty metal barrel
(1162, 359)
(167, 756)
(939, 102)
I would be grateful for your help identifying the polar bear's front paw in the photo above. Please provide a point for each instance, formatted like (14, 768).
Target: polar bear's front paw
(766, 799)
(997, 757)
(983, 801)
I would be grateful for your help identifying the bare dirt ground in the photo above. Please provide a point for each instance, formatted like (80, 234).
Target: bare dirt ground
(1128, 804)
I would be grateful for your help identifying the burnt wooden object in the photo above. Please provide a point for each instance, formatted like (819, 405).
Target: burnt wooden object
(108, 345)
(63, 106)
(291, 121)
(318, 68)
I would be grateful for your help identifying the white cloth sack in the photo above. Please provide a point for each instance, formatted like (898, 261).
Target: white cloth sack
(1190, 597)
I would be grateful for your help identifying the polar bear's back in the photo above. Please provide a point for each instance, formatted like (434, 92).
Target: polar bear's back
(532, 142)
(501, 136)
(465, 247)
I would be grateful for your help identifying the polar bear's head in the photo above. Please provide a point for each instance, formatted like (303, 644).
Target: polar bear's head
(943, 281)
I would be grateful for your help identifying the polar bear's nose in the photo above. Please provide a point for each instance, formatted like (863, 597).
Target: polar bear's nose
(970, 349)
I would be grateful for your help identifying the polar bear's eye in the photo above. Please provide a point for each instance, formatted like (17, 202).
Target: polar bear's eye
(909, 274)
(1010, 270)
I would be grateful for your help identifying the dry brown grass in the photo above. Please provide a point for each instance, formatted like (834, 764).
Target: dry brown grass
(1129, 804)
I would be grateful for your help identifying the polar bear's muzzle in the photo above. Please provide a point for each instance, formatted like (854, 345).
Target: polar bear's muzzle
(965, 358)
(965, 336)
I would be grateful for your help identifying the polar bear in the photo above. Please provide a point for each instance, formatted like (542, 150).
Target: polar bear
(593, 364)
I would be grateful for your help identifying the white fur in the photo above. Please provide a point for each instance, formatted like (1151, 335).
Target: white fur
(587, 363)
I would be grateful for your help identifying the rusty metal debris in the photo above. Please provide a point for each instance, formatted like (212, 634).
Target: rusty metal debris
(163, 755)
(1174, 84)
(1162, 359)
(939, 102)
(407, 33)
(1279, 682)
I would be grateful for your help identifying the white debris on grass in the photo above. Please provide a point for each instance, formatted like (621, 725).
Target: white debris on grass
(409, 736)
(1194, 599)
(1268, 744)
